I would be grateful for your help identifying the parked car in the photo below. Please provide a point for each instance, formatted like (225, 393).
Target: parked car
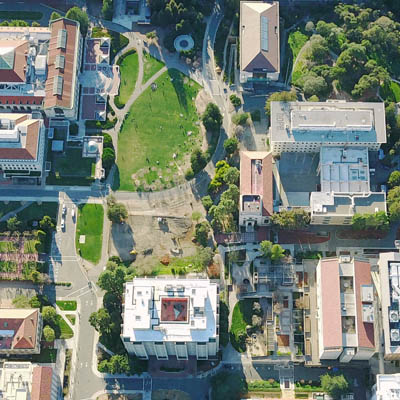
(62, 223)
(73, 214)
(64, 209)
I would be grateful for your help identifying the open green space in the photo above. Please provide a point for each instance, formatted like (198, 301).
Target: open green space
(241, 317)
(66, 305)
(6, 208)
(65, 331)
(118, 41)
(23, 15)
(7, 247)
(391, 92)
(71, 318)
(45, 356)
(129, 69)
(296, 41)
(37, 212)
(150, 66)
(155, 129)
(90, 224)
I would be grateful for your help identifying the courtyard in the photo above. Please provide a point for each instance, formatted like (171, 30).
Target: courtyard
(158, 135)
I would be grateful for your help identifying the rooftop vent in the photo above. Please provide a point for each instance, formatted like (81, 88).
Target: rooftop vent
(395, 335)
(393, 316)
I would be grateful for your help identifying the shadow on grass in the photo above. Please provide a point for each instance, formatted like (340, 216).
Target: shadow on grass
(179, 86)
(124, 243)
(116, 182)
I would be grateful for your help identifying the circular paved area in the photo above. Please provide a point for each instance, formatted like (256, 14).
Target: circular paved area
(183, 42)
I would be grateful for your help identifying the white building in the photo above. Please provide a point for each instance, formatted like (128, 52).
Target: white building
(345, 309)
(22, 142)
(306, 126)
(171, 317)
(387, 387)
(345, 187)
(389, 272)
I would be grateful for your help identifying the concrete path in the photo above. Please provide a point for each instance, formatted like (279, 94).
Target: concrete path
(5, 217)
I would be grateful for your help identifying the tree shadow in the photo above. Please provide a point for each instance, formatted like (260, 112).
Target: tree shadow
(123, 241)
(177, 81)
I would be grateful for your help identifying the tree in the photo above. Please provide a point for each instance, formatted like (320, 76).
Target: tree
(277, 253)
(231, 176)
(54, 15)
(335, 386)
(291, 219)
(49, 315)
(108, 158)
(212, 118)
(236, 102)
(231, 145)
(36, 277)
(21, 301)
(108, 9)
(314, 85)
(279, 96)
(265, 248)
(35, 24)
(101, 321)
(13, 224)
(49, 334)
(107, 141)
(310, 26)
(46, 223)
(198, 160)
(112, 281)
(117, 213)
(394, 179)
(228, 386)
(77, 14)
(232, 193)
(201, 233)
(358, 222)
(394, 211)
(205, 256)
(374, 221)
(240, 118)
(207, 202)
(319, 50)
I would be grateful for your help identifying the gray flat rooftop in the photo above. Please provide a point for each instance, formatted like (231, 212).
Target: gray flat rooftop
(337, 122)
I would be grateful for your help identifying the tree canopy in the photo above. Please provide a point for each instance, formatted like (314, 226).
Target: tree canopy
(77, 14)
(212, 118)
(279, 96)
(335, 386)
(291, 219)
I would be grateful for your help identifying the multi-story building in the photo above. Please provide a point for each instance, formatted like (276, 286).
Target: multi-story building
(22, 143)
(345, 187)
(20, 331)
(259, 42)
(307, 126)
(39, 68)
(166, 318)
(389, 272)
(25, 381)
(345, 309)
(256, 189)
(387, 387)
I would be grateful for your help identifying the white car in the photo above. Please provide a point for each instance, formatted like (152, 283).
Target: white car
(64, 209)
(73, 213)
(62, 223)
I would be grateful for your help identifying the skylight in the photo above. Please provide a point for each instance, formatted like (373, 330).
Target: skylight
(58, 85)
(264, 33)
(61, 39)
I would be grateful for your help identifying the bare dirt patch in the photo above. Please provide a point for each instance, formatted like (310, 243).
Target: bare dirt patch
(164, 394)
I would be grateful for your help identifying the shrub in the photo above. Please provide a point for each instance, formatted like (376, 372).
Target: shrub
(231, 145)
(189, 174)
(207, 202)
(240, 118)
(236, 102)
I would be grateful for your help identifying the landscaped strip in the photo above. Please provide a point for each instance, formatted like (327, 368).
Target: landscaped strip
(23, 15)
(90, 225)
(66, 305)
(155, 136)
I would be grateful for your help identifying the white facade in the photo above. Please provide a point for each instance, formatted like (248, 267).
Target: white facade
(306, 126)
(171, 317)
(387, 387)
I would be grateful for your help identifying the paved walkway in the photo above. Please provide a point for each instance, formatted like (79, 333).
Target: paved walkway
(12, 213)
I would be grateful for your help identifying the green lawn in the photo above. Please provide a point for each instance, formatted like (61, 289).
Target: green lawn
(6, 208)
(391, 92)
(154, 130)
(129, 68)
(37, 212)
(65, 331)
(30, 246)
(71, 318)
(7, 247)
(241, 317)
(68, 305)
(296, 41)
(90, 224)
(73, 164)
(150, 66)
(45, 356)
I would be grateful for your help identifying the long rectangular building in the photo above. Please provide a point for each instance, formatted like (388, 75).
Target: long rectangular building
(171, 317)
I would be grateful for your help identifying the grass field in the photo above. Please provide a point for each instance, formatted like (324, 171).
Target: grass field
(7, 247)
(69, 305)
(150, 66)
(241, 317)
(391, 92)
(65, 331)
(129, 68)
(154, 130)
(73, 164)
(37, 212)
(6, 208)
(45, 356)
(90, 224)
(296, 41)
(71, 318)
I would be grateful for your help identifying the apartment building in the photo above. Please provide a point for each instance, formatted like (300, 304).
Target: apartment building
(344, 187)
(166, 318)
(345, 309)
(389, 273)
(20, 331)
(39, 68)
(256, 189)
(259, 42)
(387, 387)
(307, 126)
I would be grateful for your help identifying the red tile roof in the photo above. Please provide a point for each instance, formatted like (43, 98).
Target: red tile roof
(17, 72)
(246, 187)
(331, 305)
(25, 100)
(24, 327)
(66, 99)
(174, 309)
(365, 330)
(41, 383)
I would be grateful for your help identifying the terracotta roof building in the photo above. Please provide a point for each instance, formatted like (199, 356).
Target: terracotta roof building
(22, 142)
(63, 64)
(256, 189)
(259, 41)
(20, 331)
(345, 311)
(42, 384)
